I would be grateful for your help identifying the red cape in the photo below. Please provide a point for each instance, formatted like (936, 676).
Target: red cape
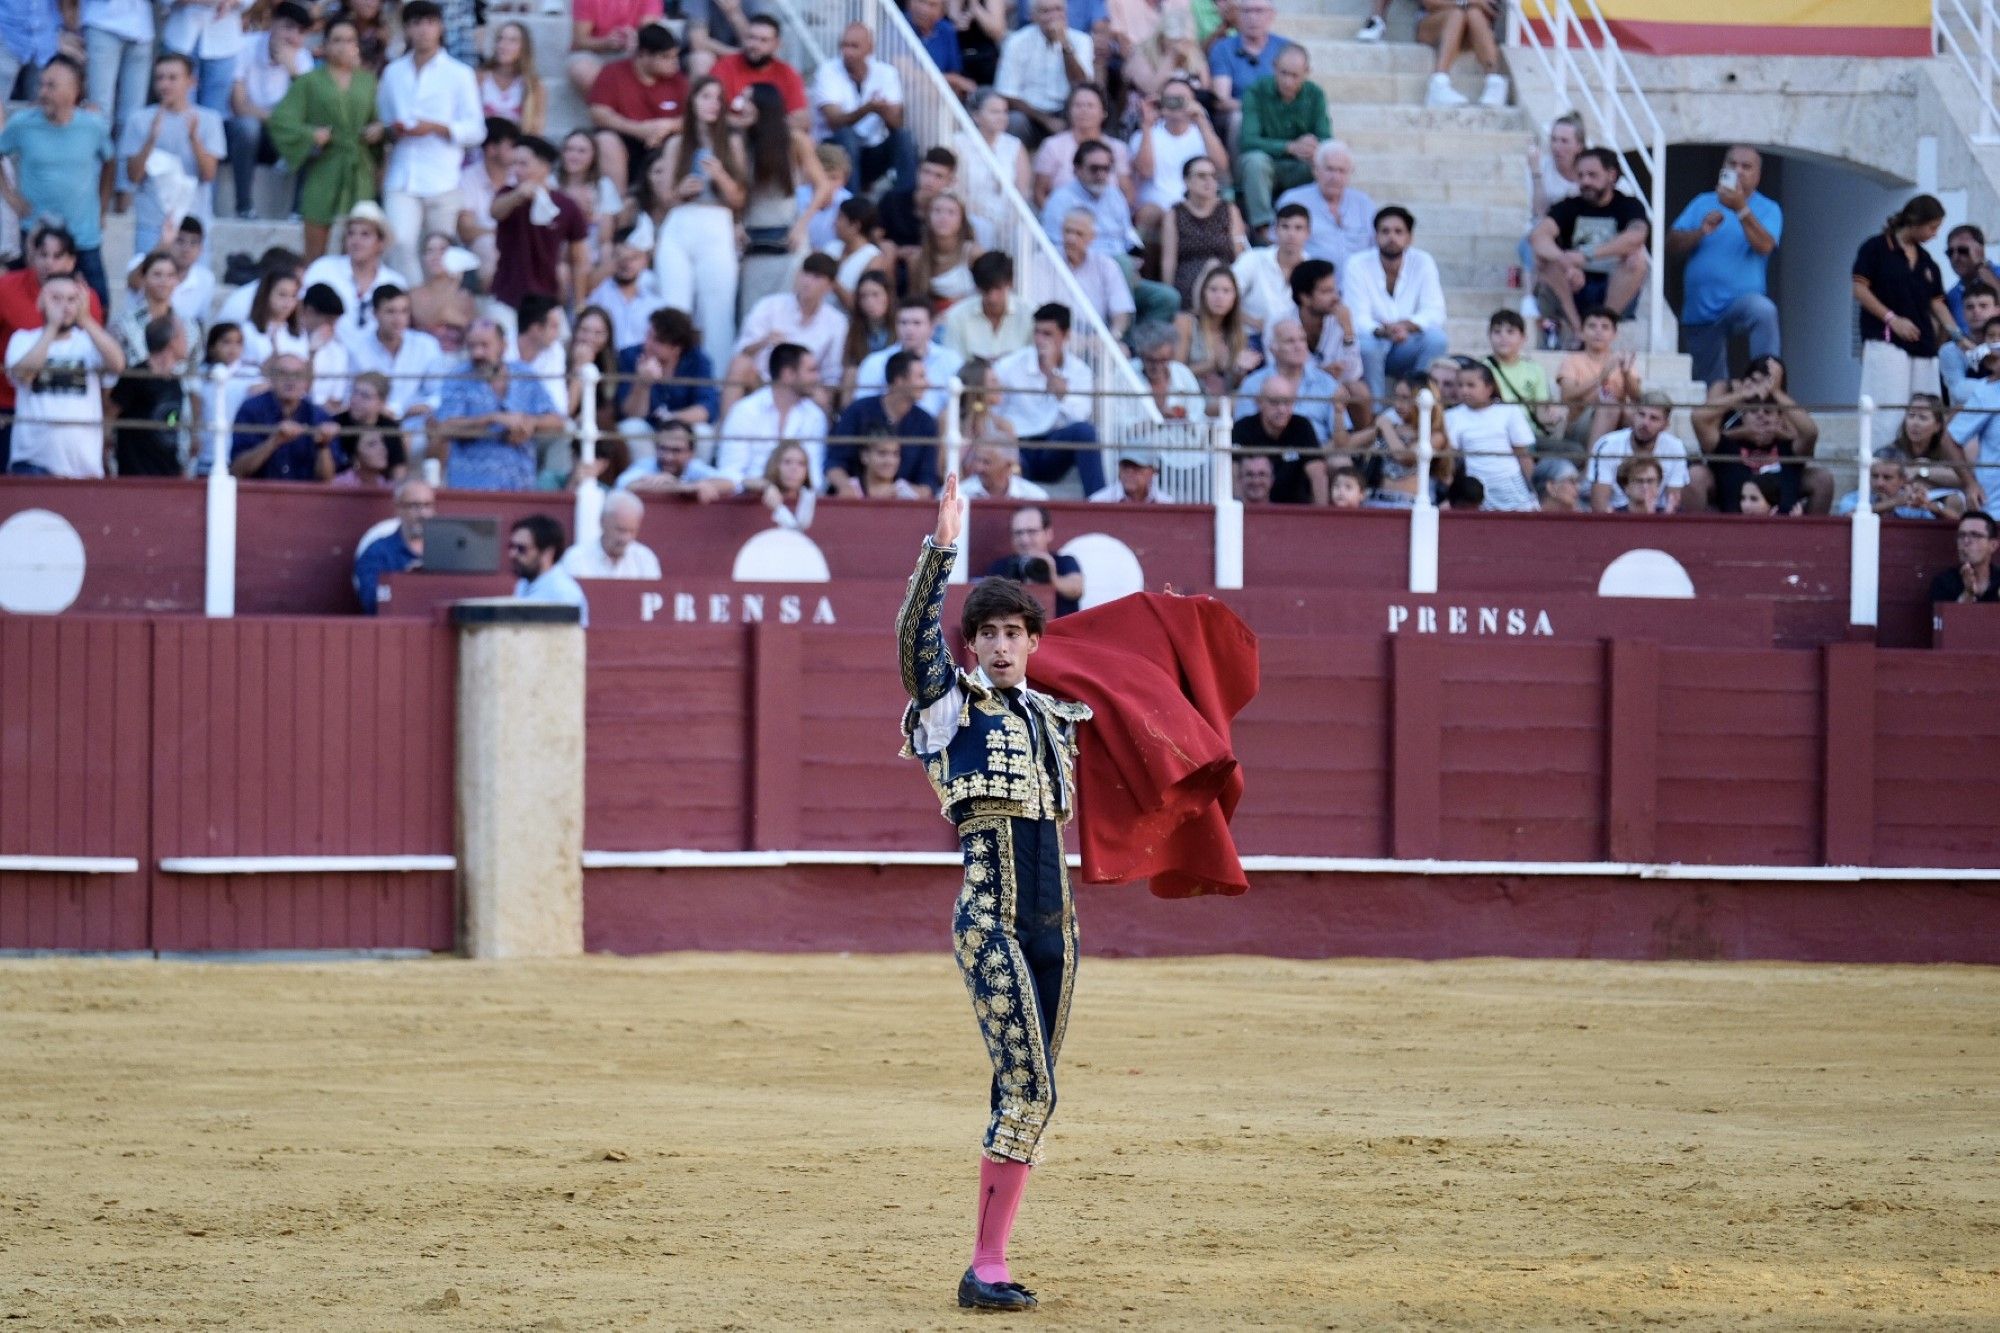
(1157, 778)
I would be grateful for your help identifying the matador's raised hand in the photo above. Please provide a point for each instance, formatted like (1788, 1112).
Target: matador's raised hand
(949, 517)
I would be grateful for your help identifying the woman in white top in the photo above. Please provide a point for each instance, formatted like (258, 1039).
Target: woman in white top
(986, 195)
(509, 87)
(942, 270)
(273, 326)
(1494, 438)
(1173, 131)
(700, 180)
(210, 33)
(855, 248)
(264, 71)
(591, 190)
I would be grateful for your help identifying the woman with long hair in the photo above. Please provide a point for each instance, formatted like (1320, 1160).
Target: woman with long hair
(324, 128)
(983, 191)
(777, 156)
(982, 25)
(273, 327)
(871, 326)
(978, 417)
(590, 344)
(580, 176)
(858, 248)
(697, 183)
(509, 87)
(1202, 229)
(1903, 312)
(1215, 341)
(787, 486)
(371, 435)
(223, 348)
(440, 305)
(1936, 459)
(942, 271)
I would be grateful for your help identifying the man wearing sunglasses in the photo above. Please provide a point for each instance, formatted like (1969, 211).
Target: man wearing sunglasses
(534, 550)
(1965, 248)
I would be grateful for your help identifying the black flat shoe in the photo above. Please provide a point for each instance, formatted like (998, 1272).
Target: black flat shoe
(976, 1295)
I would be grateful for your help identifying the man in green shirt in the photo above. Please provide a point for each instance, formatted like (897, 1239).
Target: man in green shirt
(1284, 120)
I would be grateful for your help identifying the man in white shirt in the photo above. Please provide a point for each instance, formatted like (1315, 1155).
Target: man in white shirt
(60, 371)
(617, 553)
(534, 549)
(1102, 281)
(356, 274)
(1264, 275)
(1647, 435)
(913, 335)
(541, 343)
(994, 465)
(193, 136)
(429, 104)
(782, 410)
(805, 315)
(1396, 301)
(1138, 481)
(860, 102)
(319, 320)
(631, 293)
(990, 323)
(192, 298)
(411, 359)
(1048, 403)
(1039, 64)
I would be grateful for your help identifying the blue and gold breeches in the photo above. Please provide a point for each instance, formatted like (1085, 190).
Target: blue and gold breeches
(1014, 931)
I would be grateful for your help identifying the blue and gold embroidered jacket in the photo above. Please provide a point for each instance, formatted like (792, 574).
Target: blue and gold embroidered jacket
(982, 758)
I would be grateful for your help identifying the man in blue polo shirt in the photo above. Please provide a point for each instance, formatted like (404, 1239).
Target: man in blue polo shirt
(1728, 235)
(664, 370)
(59, 150)
(894, 414)
(281, 434)
(1246, 55)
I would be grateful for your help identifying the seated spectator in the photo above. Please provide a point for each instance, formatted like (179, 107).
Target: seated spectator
(148, 404)
(1761, 496)
(1894, 493)
(1318, 395)
(581, 176)
(409, 360)
(1284, 125)
(1176, 391)
(757, 63)
(1092, 190)
(1215, 342)
(881, 463)
(1590, 251)
(1048, 403)
(1035, 561)
(670, 468)
(1174, 130)
(1597, 380)
(1329, 326)
(1444, 378)
(1138, 480)
(1972, 580)
(1238, 60)
(995, 468)
(638, 103)
(58, 147)
(1201, 229)
(991, 324)
(1521, 378)
(1342, 217)
(1903, 313)
(1039, 64)
(1556, 484)
(57, 371)
(982, 26)
(281, 434)
(914, 328)
(358, 271)
(1494, 439)
(535, 549)
(1397, 302)
(269, 62)
(1643, 482)
(942, 270)
(190, 136)
(1255, 475)
(319, 321)
(1761, 436)
(1277, 432)
(1101, 281)
(1393, 466)
(806, 316)
(1963, 361)
(856, 250)
(602, 31)
(892, 414)
(371, 436)
(1264, 275)
(1055, 160)
(901, 212)
(1647, 437)
(788, 488)
(939, 37)
(784, 188)
(195, 295)
(1452, 27)
(871, 328)
(273, 326)
(667, 376)
(402, 549)
(1153, 45)
(630, 293)
(860, 102)
(1728, 235)
(489, 416)
(159, 275)
(1465, 493)
(783, 409)
(510, 85)
(1935, 458)
(540, 334)
(223, 348)
(441, 305)
(985, 187)
(617, 553)
(235, 307)
(1965, 250)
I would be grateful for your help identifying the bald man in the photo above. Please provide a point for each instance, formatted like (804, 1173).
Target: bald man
(860, 101)
(617, 553)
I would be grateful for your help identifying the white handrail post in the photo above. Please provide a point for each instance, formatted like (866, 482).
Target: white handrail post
(1228, 510)
(588, 525)
(1656, 277)
(1864, 565)
(1424, 514)
(1987, 124)
(219, 583)
(954, 450)
(1559, 46)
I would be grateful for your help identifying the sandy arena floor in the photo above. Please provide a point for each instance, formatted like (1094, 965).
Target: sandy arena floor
(743, 1142)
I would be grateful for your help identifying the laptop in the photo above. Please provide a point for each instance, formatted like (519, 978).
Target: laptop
(461, 546)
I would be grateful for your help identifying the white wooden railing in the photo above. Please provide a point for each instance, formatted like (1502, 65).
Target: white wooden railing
(1966, 34)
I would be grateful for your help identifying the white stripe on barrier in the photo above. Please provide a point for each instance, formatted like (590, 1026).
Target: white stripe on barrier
(301, 865)
(70, 865)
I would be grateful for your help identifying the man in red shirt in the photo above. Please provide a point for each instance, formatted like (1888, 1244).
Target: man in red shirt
(51, 250)
(537, 227)
(758, 62)
(636, 103)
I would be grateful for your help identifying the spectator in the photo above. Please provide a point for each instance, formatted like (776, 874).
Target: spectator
(1034, 561)
(618, 553)
(1552, 176)
(509, 84)
(942, 270)
(118, 41)
(1597, 381)
(1961, 361)
(196, 292)
(1965, 250)
(1039, 64)
(490, 412)
(1176, 391)
(1451, 27)
(982, 26)
(1521, 380)
(264, 74)
(479, 184)
(1276, 431)
(1055, 160)
(714, 29)
(881, 461)
(1495, 440)
(1976, 430)
(1250, 53)
(376, 29)
(856, 250)
(1154, 45)
(1444, 378)
(914, 328)
(50, 143)
(1092, 191)
(325, 130)
(637, 103)
(1397, 303)
(542, 236)
(188, 134)
(700, 176)
(758, 62)
(31, 35)
(668, 376)
(1345, 490)
(224, 348)
(1138, 480)
(1646, 437)
(430, 105)
(1200, 230)
(541, 330)
(1174, 130)
(630, 293)
(787, 487)
(1340, 216)
(159, 275)
(1254, 479)
(871, 328)
(1757, 435)
(1728, 235)
(990, 324)
(1317, 394)
(985, 187)
(860, 102)
(1392, 441)
(1903, 312)
(582, 178)
(356, 274)
(535, 549)
(592, 343)
(1264, 275)
(281, 434)
(411, 360)
(1555, 482)
(1894, 493)
(892, 414)
(1591, 249)
(441, 305)
(1284, 124)
(901, 212)
(1048, 403)
(1216, 342)
(1761, 495)
(1642, 480)
(149, 406)
(602, 31)
(993, 468)
(209, 34)
(273, 326)
(372, 437)
(1972, 580)
(402, 549)
(670, 468)
(805, 316)
(57, 373)
(1936, 460)
(782, 410)
(1328, 323)
(939, 37)
(1100, 280)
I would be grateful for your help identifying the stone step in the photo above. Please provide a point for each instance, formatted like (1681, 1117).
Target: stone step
(1411, 117)
(1506, 148)
(1314, 25)
(1337, 54)
(1407, 88)
(1462, 167)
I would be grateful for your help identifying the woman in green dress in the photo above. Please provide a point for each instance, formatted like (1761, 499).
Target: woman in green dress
(325, 129)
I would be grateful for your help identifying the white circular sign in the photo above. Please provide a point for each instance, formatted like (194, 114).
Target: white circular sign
(1110, 569)
(781, 555)
(1644, 572)
(41, 563)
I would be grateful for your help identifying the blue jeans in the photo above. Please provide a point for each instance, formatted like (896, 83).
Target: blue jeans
(27, 470)
(897, 153)
(119, 77)
(212, 80)
(1751, 314)
(90, 267)
(1054, 464)
(1381, 358)
(249, 144)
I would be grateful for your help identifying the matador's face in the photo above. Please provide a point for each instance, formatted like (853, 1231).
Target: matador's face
(1003, 647)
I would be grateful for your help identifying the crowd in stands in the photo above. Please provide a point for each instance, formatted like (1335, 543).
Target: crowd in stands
(776, 281)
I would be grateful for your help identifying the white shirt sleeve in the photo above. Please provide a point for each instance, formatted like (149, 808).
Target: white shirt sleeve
(1429, 313)
(1520, 432)
(937, 724)
(468, 114)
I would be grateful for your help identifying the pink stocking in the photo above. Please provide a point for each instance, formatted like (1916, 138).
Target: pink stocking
(1000, 1188)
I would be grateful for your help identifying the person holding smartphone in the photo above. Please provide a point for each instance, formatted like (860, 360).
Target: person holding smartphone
(1728, 235)
(59, 372)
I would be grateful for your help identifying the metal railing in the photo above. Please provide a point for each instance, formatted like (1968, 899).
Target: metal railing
(1588, 71)
(1967, 33)
(934, 116)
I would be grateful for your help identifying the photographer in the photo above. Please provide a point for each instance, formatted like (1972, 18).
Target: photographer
(1032, 561)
